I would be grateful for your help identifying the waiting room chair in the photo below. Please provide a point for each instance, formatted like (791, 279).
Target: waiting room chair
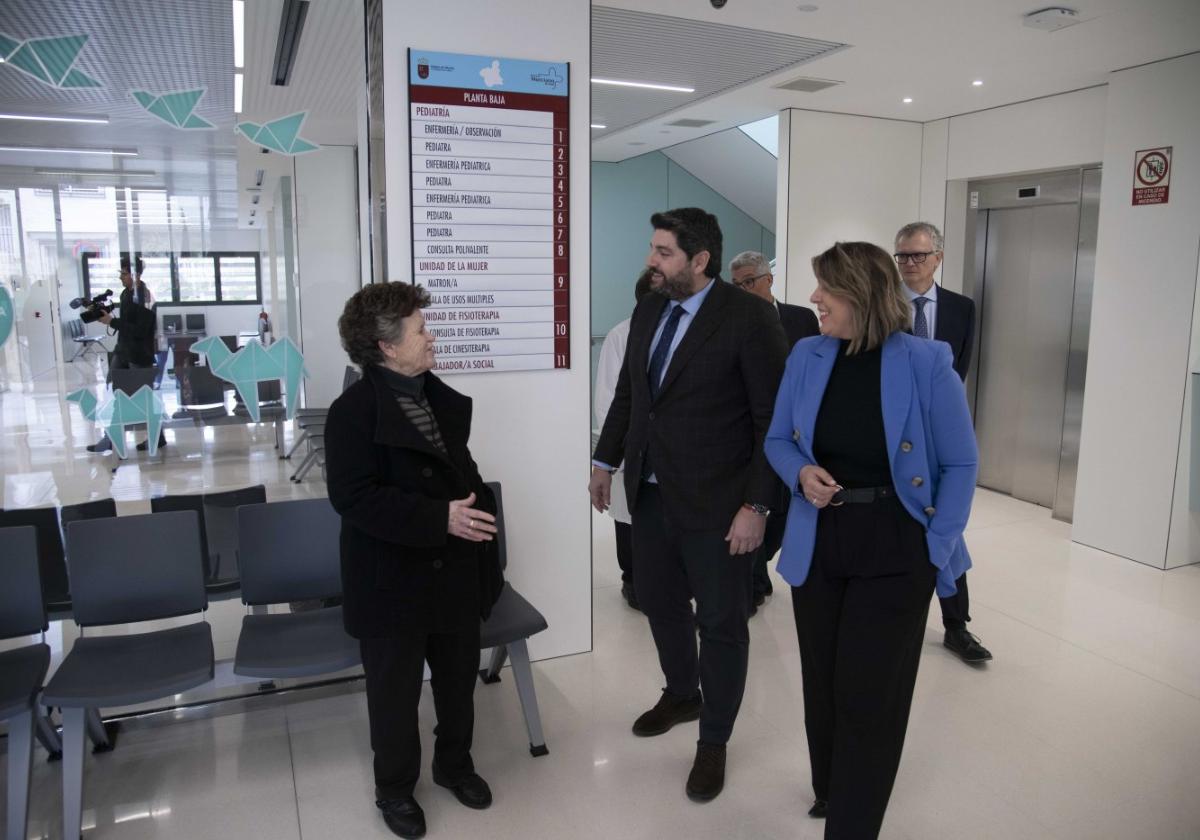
(22, 669)
(312, 423)
(512, 622)
(84, 343)
(127, 570)
(217, 513)
(289, 552)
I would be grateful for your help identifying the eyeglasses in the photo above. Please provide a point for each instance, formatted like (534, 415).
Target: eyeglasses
(916, 258)
(749, 281)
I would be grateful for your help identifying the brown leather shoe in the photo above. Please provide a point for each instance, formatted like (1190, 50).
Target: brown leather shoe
(708, 772)
(668, 711)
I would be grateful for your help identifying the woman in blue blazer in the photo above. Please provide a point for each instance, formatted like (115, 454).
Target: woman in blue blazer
(872, 433)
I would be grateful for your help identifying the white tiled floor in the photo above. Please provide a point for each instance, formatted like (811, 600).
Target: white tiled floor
(1086, 725)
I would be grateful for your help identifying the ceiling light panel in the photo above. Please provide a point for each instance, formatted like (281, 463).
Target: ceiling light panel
(710, 57)
(95, 119)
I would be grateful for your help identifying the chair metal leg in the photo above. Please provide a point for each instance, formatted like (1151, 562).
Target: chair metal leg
(518, 651)
(305, 466)
(97, 732)
(74, 727)
(303, 437)
(20, 766)
(47, 735)
(491, 674)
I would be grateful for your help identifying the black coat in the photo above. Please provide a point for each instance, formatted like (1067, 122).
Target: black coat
(135, 326)
(798, 322)
(401, 571)
(955, 325)
(704, 433)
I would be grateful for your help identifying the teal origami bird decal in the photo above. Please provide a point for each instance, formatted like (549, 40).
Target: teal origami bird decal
(49, 60)
(254, 363)
(121, 410)
(281, 135)
(175, 109)
(6, 315)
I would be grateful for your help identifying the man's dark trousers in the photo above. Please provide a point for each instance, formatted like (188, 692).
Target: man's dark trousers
(394, 668)
(772, 540)
(675, 566)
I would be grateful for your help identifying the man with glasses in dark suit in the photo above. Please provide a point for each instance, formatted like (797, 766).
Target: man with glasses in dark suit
(946, 316)
(692, 406)
(751, 272)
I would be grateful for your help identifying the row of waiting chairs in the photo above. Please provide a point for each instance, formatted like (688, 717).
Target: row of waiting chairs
(288, 552)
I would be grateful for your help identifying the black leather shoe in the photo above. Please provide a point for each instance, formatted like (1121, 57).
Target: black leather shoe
(819, 809)
(471, 790)
(630, 596)
(144, 445)
(668, 711)
(403, 816)
(966, 645)
(708, 772)
(102, 445)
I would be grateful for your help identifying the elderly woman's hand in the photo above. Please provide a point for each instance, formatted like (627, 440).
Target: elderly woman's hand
(817, 485)
(467, 523)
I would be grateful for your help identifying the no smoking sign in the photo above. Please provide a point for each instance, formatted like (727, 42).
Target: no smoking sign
(1151, 176)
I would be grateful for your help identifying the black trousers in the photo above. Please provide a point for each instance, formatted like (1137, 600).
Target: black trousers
(625, 550)
(673, 567)
(772, 541)
(860, 619)
(956, 609)
(394, 668)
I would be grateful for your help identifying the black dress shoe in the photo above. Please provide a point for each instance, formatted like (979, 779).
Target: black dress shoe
(471, 790)
(403, 816)
(630, 596)
(144, 445)
(966, 645)
(708, 772)
(102, 445)
(668, 711)
(819, 810)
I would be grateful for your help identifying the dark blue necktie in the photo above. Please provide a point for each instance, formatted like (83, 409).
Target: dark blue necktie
(920, 324)
(658, 360)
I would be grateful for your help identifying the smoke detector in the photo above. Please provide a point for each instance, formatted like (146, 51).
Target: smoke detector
(1051, 18)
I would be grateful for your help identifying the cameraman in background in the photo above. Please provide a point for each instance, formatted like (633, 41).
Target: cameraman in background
(135, 326)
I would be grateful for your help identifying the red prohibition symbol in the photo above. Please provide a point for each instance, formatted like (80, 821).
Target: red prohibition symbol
(1152, 168)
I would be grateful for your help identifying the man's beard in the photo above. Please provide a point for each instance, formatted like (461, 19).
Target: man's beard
(675, 286)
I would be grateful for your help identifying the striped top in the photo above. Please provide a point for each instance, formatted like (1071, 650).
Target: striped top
(410, 396)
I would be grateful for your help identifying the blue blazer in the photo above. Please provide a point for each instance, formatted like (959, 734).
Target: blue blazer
(930, 442)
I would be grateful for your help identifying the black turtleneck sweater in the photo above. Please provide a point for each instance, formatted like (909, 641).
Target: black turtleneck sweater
(410, 395)
(848, 440)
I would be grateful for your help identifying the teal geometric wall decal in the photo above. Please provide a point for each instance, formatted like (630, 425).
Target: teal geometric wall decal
(122, 410)
(254, 363)
(49, 60)
(6, 315)
(174, 108)
(281, 135)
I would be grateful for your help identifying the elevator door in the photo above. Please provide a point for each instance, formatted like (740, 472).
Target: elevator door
(1028, 288)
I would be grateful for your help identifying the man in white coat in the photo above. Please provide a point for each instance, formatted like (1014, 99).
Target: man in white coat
(612, 355)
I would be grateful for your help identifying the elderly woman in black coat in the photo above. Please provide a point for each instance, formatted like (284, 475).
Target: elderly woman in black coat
(419, 567)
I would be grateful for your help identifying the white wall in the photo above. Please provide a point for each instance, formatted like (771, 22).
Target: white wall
(328, 259)
(530, 430)
(849, 178)
(1142, 318)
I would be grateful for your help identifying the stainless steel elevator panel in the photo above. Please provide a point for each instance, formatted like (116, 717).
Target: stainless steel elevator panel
(1026, 298)
(1081, 316)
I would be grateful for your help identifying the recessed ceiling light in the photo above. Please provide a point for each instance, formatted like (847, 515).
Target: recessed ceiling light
(115, 173)
(239, 32)
(237, 93)
(65, 118)
(648, 85)
(907, 100)
(69, 151)
(598, 125)
(978, 83)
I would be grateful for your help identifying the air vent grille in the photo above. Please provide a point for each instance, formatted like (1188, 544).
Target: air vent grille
(807, 84)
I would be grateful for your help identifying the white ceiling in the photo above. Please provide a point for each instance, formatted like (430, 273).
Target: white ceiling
(930, 50)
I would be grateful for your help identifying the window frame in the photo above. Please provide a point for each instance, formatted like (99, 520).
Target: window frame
(173, 258)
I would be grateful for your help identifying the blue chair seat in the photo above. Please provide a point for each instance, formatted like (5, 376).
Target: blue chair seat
(21, 674)
(512, 618)
(103, 671)
(294, 645)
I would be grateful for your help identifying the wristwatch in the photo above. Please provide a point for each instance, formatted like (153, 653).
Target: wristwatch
(761, 510)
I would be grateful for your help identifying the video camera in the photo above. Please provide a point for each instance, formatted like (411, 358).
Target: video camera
(94, 309)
